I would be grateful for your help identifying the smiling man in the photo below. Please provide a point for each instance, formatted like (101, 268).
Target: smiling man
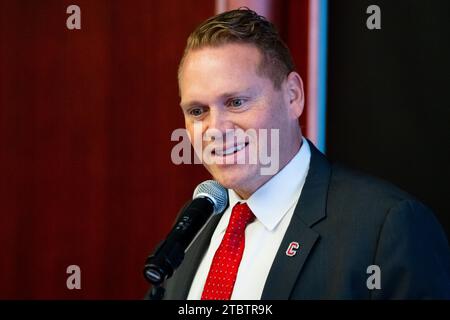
(310, 230)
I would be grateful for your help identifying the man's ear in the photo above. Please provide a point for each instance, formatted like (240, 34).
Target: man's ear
(295, 94)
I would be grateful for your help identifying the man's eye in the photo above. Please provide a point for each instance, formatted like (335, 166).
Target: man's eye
(236, 103)
(196, 112)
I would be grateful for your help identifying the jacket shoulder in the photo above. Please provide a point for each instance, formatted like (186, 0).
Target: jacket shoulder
(362, 190)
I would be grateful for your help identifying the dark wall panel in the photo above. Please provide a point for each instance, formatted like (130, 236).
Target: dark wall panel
(388, 105)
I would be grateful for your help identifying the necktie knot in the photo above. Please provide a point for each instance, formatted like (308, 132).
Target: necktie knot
(241, 216)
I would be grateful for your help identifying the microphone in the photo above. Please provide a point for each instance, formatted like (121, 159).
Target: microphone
(210, 198)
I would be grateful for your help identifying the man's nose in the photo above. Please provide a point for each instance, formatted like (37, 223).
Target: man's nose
(219, 120)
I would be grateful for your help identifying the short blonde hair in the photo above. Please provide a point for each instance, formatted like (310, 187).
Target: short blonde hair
(245, 26)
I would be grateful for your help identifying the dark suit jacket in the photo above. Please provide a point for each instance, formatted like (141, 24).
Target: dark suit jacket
(344, 222)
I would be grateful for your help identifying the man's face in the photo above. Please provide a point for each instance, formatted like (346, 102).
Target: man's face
(221, 89)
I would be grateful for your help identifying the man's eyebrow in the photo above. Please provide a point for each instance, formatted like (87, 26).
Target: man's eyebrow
(228, 95)
(191, 104)
(224, 96)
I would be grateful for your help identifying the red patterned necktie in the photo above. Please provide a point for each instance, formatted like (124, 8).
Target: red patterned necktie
(224, 267)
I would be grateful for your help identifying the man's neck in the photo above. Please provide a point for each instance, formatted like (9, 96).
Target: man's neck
(245, 194)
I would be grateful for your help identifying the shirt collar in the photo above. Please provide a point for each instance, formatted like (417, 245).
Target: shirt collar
(273, 199)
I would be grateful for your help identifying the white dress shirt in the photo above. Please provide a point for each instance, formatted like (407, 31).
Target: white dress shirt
(273, 205)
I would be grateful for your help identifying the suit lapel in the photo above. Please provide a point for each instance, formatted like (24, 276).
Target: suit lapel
(177, 288)
(310, 209)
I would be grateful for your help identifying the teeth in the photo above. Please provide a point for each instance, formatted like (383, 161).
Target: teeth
(230, 150)
(240, 147)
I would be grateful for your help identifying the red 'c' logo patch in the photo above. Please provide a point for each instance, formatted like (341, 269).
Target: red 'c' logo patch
(292, 249)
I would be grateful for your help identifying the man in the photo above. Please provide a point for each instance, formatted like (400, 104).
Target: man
(310, 230)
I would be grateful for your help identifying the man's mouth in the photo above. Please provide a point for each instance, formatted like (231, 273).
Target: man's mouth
(230, 150)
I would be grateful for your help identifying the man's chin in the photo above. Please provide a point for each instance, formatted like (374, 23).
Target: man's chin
(233, 178)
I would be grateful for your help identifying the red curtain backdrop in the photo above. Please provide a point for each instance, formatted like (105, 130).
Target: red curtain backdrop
(86, 118)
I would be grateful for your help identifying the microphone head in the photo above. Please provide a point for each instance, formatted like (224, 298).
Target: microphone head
(214, 191)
